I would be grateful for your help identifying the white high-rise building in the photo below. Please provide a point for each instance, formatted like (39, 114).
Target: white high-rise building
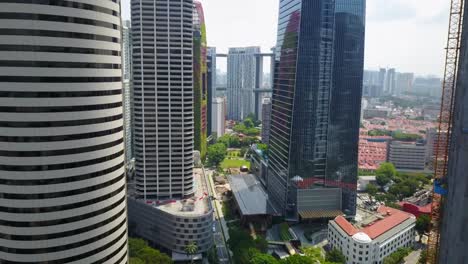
(170, 207)
(241, 82)
(218, 116)
(127, 88)
(62, 178)
(163, 98)
(127, 49)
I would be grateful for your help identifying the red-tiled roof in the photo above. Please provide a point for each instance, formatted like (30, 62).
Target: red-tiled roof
(346, 226)
(415, 209)
(391, 218)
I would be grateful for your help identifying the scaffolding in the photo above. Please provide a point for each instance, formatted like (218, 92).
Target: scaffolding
(445, 124)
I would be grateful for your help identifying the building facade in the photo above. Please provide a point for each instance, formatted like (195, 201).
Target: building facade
(346, 98)
(62, 175)
(128, 118)
(127, 49)
(407, 156)
(454, 231)
(127, 89)
(163, 98)
(200, 79)
(404, 83)
(390, 82)
(302, 116)
(211, 81)
(174, 224)
(266, 120)
(218, 116)
(390, 230)
(241, 82)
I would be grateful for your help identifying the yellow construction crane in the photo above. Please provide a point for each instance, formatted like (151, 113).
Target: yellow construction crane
(445, 128)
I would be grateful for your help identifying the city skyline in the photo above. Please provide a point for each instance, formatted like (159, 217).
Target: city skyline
(414, 39)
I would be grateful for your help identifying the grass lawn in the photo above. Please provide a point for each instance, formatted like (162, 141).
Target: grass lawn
(234, 163)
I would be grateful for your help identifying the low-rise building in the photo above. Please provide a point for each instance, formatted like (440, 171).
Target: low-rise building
(435, 140)
(363, 181)
(376, 112)
(375, 238)
(407, 156)
(251, 200)
(173, 224)
(371, 153)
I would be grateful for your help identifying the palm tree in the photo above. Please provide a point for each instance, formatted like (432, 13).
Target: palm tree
(191, 249)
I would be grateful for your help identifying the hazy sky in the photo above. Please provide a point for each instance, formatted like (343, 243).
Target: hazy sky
(409, 35)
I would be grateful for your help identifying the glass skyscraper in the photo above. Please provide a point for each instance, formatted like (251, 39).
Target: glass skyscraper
(318, 77)
(345, 102)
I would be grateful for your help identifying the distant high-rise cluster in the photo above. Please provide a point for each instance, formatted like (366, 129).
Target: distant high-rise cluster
(241, 82)
(316, 81)
(388, 82)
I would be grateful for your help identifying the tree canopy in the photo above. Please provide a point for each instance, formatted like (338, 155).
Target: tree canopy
(372, 190)
(216, 154)
(423, 223)
(335, 256)
(385, 173)
(398, 256)
(141, 253)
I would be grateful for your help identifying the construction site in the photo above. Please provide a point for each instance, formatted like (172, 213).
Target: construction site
(449, 215)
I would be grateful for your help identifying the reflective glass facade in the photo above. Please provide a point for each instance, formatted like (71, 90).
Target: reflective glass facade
(304, 105)
(345, 103)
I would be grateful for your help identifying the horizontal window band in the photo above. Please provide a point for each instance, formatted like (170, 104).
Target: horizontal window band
(63, 94)
(27, 79)
(60, 180)
(121, 248)
(59, 64)
(59, 208)
(54, 49)
(63, 166)
(68, 246)
(61, 152)
(56, 34)
(85, 255)
(60, 138)
(62, 234)
(60, 123)
(58, 109)
(41, 196)
(64, 221)
(56, 18)
(69, 4)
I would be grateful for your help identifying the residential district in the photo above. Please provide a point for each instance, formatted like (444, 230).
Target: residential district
(127, 142)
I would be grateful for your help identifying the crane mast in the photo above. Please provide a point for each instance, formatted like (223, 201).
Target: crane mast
(445, 128)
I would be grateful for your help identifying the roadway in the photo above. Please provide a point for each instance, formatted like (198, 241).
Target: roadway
(220, 232)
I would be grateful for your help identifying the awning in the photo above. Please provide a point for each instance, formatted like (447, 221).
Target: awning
(320, 214)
